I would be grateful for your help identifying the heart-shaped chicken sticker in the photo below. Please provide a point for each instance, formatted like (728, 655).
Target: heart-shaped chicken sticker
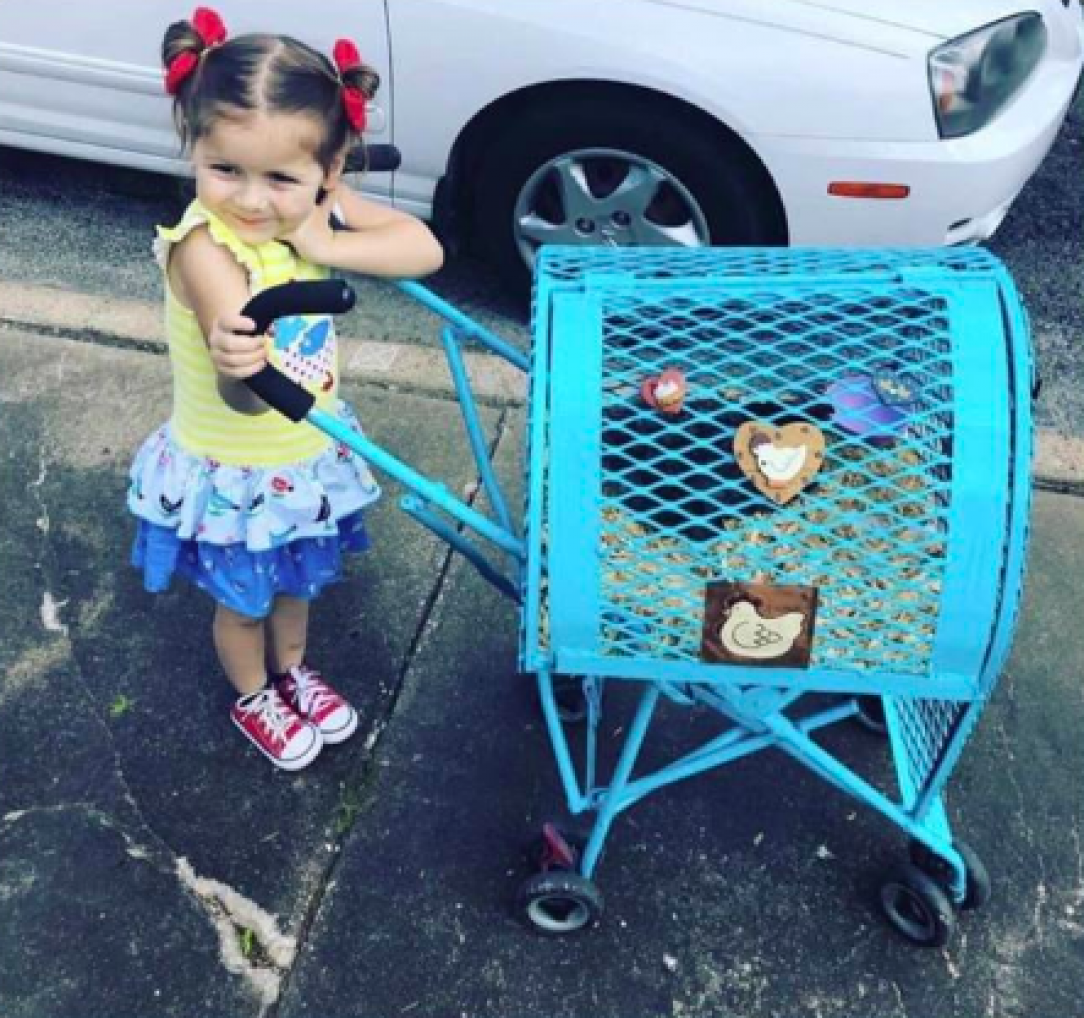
(666, 393)
(779, 460)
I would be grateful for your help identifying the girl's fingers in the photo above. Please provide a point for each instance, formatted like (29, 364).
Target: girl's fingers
(239, 364)
(230, 342)
(241, 359)
(238, 324)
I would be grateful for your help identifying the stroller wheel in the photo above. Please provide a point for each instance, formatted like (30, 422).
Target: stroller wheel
(571, 702)
(557, 902)
(979, 887)
(871, 714)
(917, 906)
(571, 699)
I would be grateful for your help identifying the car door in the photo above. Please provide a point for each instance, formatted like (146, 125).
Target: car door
(85, 80)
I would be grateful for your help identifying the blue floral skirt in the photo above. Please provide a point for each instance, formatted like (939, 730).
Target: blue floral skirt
(246, 581)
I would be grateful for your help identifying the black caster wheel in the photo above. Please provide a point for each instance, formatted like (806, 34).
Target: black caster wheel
(571, 701)
(978, 889)
(871, 714)
(569, 696)
(558, 902)
(918, 906)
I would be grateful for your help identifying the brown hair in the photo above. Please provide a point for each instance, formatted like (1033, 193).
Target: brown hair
(271, 73)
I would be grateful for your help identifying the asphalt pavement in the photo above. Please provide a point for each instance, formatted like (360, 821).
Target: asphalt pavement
(152, 865)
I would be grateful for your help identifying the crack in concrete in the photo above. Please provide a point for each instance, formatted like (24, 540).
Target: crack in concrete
(229, 912)
(50, 606)
(63, 807)
(50, 616)
(900, 1003)
(118, 768)
(369, 761)
(1077, 894)
(234, 916)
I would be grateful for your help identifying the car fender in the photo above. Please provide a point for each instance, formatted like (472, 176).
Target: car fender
(712, 63)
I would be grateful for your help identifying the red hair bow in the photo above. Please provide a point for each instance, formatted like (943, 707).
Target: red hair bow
(211, 29)
(346, 58)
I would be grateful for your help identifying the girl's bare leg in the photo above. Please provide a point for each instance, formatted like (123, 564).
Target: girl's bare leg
(288, 631)
(240, 642)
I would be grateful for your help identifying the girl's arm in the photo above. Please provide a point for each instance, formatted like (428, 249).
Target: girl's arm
(378, 241)
(206, 278)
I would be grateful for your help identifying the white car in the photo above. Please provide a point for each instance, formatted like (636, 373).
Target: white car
(522, 122)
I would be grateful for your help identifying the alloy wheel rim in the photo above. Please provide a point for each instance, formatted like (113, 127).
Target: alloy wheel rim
(606, 197)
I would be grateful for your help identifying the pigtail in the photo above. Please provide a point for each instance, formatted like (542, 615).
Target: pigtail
(364, 78)
(181, 37)
(358, 83)
(184, 49)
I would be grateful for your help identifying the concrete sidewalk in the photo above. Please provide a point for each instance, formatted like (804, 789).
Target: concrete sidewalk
(152, 865)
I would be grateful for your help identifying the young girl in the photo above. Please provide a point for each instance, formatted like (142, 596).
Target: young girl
(253, 509)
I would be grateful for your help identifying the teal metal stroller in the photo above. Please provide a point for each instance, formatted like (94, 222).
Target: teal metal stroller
(752, 476)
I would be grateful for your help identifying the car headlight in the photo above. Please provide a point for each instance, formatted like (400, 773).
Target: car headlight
(974, 76)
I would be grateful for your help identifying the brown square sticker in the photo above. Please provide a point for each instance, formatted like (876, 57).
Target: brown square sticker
(758, 624)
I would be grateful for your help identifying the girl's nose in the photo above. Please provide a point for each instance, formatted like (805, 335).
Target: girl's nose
(250, 197)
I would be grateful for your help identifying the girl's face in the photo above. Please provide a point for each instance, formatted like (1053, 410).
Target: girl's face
(259, 175)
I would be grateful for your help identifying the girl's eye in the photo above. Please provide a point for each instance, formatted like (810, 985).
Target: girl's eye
(283, 178)
(224, 168)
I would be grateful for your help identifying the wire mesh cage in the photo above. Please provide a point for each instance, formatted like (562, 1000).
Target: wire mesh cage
(914, 366)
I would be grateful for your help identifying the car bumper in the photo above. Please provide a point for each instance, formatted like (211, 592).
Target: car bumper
(961, 189)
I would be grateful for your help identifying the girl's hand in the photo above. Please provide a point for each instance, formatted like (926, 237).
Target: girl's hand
(235, 352)
(314, 238)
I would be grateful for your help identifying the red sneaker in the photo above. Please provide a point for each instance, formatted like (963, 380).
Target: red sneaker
(314, 700)
(285, 739)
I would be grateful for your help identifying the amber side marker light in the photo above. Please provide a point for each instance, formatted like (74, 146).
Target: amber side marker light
(860, 189)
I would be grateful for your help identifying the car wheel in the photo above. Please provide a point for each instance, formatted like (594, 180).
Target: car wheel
(619, 173)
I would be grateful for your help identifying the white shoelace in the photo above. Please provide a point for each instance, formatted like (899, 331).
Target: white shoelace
(312, 693)
(271, 713)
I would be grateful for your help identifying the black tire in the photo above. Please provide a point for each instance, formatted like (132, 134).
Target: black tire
(570, 697)
(558, 902)
(979, 888)
(732, 189)
(871, 715)
(917, 906)
(571, 701)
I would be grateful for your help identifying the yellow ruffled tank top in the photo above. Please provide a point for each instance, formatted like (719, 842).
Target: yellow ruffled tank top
(305, 348)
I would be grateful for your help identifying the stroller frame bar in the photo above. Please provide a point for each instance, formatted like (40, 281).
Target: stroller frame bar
(924, 820)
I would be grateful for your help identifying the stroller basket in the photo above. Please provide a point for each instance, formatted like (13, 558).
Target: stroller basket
(911, 531)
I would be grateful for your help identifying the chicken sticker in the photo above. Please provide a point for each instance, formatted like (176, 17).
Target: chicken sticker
(758, 624)
(666, 393)
(780, 461)
(746, 634)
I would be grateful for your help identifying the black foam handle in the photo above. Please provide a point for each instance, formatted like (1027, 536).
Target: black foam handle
(318, 297)
(374, 159)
